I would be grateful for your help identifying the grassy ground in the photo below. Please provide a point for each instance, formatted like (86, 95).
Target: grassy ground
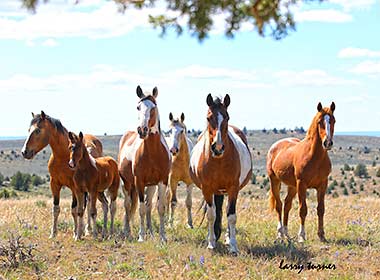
(352, 228)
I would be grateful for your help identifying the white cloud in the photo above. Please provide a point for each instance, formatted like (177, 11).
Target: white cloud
(50, 43)
(357, 52)
(354, 4)
(313, 78)
(371, 68)
(329, 15)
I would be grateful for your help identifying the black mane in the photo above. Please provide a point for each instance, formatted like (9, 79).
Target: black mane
(55, 122)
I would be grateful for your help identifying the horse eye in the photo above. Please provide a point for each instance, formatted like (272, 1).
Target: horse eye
(37, 131)
(138, 108)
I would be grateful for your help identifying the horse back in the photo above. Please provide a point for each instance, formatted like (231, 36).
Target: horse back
(93, 145)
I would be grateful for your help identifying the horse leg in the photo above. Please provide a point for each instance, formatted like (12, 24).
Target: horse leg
(102, 198)
(80, 212)
(74, 205)
(292, 191)
(301, 190)
(218, 200)
(321, 191)
(148, 203)
(55, 189)
(275, 202)
(127, 208)
(231, 217)
(211, 215)
(189, 204)
(93, 198)
(173, 197)
(142, 210)
(161, 209)
(88, 229)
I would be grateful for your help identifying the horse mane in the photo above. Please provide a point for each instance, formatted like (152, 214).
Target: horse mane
(55, 122)
(313, 129)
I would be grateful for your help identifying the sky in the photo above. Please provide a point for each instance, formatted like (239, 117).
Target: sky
(82, 63)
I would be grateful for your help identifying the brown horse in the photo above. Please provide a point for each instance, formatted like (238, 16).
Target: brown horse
(93, 176)
(144, 161)
(220, 164)
(302, 165)
(45, 130)
(180, 147)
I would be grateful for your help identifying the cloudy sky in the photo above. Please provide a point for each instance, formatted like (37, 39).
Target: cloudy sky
(82, 63)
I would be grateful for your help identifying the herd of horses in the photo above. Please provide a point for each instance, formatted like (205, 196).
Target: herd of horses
(219, 164)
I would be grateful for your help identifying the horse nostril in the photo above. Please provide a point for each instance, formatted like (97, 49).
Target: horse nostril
(145, 129)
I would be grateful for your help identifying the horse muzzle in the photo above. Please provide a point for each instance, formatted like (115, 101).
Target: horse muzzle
(327, 144)
(217, 150)
(27, 154)
(174, 151)
(143, 132)
(71, 164)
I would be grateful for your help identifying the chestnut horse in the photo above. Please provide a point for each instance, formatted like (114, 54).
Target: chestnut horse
(93, 176)
(302, 165)
(220, 164)
(45, 130)
(144, 161)
(180, 147)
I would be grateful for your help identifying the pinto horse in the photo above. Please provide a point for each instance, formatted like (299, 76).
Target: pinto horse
(144, 161)
(221, 164)
(302, 165)
(93, 176)
(45, 130)
(180, 148)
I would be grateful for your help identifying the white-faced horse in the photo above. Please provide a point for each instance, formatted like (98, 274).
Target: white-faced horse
(180, 147)
(144, 162)
(220, 164)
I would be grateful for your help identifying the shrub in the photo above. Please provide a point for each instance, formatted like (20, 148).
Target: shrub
(378, 173)
(253, 180)
(345, 191)
(361, 171)
(335, 183)
(37, 180)
(374, 163)
(335, 195)
(361, 187)
(342, 185)
(21, 181)
(1, 179)
(346, 167)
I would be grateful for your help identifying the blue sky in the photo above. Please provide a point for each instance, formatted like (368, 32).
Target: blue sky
(82, 63)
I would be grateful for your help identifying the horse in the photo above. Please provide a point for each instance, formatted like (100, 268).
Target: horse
(302, 165)
(93, 176)
(144, 162)
(180, 147)
(220, 164)
(45, 130)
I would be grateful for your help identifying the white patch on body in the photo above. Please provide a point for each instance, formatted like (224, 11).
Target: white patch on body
(244, 155)
(196, 153)
(93, 161)
(128, 152)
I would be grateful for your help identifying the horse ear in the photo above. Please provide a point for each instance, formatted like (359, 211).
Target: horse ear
(332, 107)
(43, 115)
(319, 107)
(71, 136)
(182, 117)
(227, 101)
(32, 115)
(170, 116)
(139, 92)
(209, 100)
(80, 136)
(155, 92)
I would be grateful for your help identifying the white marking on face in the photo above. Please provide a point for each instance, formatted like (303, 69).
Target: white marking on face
(327, 125)
(175, 136)
(219, 131)
(244, 155)
(144, 114)
(31, 130)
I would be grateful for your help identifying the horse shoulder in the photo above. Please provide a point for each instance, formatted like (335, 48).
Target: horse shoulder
(196, 154)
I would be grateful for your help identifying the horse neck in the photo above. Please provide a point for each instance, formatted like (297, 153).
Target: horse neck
(313, 138)
(156, 128)
(183, 153)
(59, 143)
(86, 161)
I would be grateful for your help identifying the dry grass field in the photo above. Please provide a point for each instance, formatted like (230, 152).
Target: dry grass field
(352, 225)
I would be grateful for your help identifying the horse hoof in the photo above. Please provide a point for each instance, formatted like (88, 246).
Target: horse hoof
(52, 236)
(211, 246)
(163, 240)
(141, 239)
(301, 239)
(323, 239)
(190, 226)
(234, 252)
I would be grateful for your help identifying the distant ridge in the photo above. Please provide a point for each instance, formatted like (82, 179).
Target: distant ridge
(12, 137)
(359, 133)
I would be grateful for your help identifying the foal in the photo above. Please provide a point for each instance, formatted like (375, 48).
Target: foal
(93, 176)
(180, 148)
(221, 164)
(302, 165)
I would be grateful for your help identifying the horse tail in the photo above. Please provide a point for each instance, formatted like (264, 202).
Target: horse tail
(274, 192)
(218, 200)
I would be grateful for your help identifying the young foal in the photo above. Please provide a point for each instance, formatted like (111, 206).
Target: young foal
(180, 148)
(93, 176)
(302, 165)
(45, 130)
(144, 161)
(220, 164)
